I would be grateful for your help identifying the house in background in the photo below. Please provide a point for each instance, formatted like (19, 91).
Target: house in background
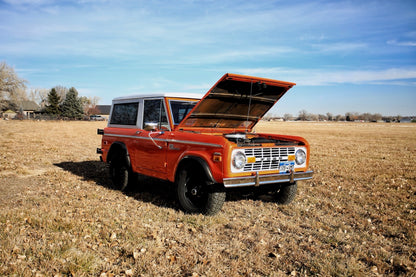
(103, 110)
(28, 109)
(9, 114)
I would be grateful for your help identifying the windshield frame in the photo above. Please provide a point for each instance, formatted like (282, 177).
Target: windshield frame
(171, 110)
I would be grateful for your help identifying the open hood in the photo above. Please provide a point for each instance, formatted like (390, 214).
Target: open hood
(235, 102)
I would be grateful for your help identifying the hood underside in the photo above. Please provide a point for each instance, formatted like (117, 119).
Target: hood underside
(235, 102)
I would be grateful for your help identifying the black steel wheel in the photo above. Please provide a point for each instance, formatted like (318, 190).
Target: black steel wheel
(194, 193)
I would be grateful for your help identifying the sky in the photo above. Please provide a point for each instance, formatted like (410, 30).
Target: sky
(344, 56)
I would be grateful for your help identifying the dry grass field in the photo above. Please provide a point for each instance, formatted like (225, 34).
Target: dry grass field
(59, 215)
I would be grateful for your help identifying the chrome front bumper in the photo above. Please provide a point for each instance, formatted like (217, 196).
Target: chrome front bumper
(258, 180)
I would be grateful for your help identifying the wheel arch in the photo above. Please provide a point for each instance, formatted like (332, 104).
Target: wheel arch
(118, 148)
(193, 161)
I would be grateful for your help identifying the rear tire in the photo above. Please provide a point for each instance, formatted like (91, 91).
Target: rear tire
(194, 193)
(119, 173)
(286, 193)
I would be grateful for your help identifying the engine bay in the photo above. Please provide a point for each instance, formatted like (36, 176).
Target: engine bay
(249, 139)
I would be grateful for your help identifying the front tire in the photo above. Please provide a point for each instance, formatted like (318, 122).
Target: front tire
(195, 195)
(286, 193)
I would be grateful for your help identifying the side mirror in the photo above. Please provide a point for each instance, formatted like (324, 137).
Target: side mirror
(150, 126)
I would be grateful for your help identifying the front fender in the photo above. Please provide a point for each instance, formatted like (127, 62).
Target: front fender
(212, 169)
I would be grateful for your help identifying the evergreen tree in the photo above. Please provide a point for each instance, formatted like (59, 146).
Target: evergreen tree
(71, 107)
(53, 100)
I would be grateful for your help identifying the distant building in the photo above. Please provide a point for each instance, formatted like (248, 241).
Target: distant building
(103, 109)
(28, 109)
(25, 110)
(406, 120)
(9, 114)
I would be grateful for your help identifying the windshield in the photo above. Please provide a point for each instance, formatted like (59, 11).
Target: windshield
(180, 109)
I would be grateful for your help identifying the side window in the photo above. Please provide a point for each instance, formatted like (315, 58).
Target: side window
(124, 114)
(154, 114)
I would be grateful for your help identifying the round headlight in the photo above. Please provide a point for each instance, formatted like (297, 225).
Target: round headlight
(300, 157)
(239, 160)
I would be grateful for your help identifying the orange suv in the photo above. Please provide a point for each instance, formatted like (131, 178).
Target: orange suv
(205, 145)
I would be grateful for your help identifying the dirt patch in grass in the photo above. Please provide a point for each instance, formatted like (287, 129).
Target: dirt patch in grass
(60, 216)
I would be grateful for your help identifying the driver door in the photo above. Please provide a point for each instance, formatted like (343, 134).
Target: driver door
(151, 142)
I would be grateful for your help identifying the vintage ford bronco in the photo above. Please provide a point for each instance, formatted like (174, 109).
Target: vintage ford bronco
(205, 146)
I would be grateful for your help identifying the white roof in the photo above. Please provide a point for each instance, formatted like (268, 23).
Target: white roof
(161, 95)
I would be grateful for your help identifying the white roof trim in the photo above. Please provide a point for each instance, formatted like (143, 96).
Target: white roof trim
(161, 95)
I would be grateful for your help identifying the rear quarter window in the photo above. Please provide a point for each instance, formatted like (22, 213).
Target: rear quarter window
(124, 114)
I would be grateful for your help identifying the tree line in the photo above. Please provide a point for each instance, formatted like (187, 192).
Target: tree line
(303, 115)
(349, 116)
(58, 102)
(67, 104)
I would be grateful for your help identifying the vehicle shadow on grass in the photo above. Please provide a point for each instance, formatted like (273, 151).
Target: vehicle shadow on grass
(158, 192)
(146, 189)
(89, 170)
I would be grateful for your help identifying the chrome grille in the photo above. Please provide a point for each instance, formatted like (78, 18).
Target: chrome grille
(267, 158)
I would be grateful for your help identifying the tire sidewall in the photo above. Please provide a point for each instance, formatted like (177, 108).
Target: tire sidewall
(181, 188)
(119, 173)
(213, 199)
(286, 193)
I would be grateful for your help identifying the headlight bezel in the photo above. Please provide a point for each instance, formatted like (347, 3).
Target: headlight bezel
(300, 156)
(239, 160)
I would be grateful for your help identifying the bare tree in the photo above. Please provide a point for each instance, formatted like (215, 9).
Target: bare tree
(89, 104)
(351, 116)
(287, 116)
(85, 103)
(329, 116)
(18, 96)
(376, 117)
(94, 100)
(11, 86)
(339, 117)
(365, 116)
(312, 117)
(61, 91)
(303, 115)
(322, 117)
(39, 95)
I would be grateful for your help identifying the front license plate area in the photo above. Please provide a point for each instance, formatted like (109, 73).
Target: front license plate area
(286, 167)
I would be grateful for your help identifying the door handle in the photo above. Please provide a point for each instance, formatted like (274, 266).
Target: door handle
(151, 138)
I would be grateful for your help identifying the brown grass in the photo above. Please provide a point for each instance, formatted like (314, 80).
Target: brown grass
(59, 215)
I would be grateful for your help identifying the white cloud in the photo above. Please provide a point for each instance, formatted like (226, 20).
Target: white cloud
(195, 31)
(340, 47)
(320, 77)
(401, 43)
(89, 92)
(214, 56)
(28, 2)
